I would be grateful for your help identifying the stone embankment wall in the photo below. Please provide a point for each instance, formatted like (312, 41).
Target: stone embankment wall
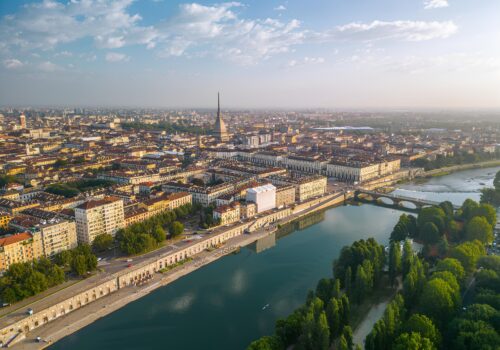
(133, 276)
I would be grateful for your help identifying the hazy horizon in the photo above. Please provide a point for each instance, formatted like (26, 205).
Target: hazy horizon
(433, 55)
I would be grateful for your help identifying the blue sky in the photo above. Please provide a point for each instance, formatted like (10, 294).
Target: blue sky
(336, 53)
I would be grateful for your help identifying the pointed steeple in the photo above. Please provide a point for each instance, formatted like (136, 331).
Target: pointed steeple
(220, 128)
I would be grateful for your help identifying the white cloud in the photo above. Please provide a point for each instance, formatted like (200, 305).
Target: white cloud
(116, 57)
(195, 30)
(49, 67)
(12, 63)
(399, 30)
(306, 60)
(48, 24)
(435, 4)
(280, 8)
(314, 60)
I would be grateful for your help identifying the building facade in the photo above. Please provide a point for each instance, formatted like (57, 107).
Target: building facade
(20, 248)
(97, 217)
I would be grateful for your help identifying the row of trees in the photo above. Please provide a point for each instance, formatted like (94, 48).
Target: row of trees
(145, 236)
(457, 159)
(324, 320)
(429, 314)
(321, 322)
(492, 195)
(80, 260)
(73, 189)
(438, 224)
(23, 280)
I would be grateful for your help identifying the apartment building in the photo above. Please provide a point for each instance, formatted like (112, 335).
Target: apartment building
(97, 217)
(57, 234)
(14, 207)
(4, 219)
(360, 171)
(305, 186)
(285, 195)
(227, 214)
(19, 248)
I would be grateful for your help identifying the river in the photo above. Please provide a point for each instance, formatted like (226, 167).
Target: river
(238, 298)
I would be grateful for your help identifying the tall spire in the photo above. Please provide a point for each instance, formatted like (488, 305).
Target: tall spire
(220, 127)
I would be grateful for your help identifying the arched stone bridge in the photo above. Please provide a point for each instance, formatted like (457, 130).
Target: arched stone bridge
(392, 200)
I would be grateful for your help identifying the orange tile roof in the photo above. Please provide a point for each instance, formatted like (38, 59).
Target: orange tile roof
(15, 239)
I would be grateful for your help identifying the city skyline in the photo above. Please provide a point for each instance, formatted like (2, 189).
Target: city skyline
(279, 54)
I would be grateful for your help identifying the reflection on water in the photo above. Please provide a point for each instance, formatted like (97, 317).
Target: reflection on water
(264, 243)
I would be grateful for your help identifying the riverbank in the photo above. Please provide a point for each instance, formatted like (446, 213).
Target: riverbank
(451, 169)
(80, 318)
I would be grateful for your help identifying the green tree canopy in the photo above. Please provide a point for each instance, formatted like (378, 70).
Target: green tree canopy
(102, 242)
(412, 341)
(452, 265)
(423, 325)
(438, 300)
(430, 233)
(479, 228)
(468, 254)
(176, 228)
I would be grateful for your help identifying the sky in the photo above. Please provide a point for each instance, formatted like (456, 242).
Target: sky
(442, 54)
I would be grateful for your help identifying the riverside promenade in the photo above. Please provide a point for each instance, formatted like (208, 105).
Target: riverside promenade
(81, 317)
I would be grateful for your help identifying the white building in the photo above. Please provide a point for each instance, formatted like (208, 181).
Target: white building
(97, 217)
(263, 196)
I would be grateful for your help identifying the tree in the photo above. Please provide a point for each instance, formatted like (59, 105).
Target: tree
(438, 300)
(63, 258)
(496, 181)
(413, 341)
(425, 327)
(479, 228)
(324, 289)
(430, 214)
(333, 317)
(452, 265)
(469, 208)
(348, 280)
(474, 335)
(343, 343)
(407, 257)
(402, 228)
(414, 282)
(347, 334)
(394, 262)
(176, 228)
(79, 265)
(480, 312)
(468, 253)
(159, 234)
(102, 242)
(266, 343)
(430, 233)
(448, 209)
(488, 212)
(361, 284)
(289, 329)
